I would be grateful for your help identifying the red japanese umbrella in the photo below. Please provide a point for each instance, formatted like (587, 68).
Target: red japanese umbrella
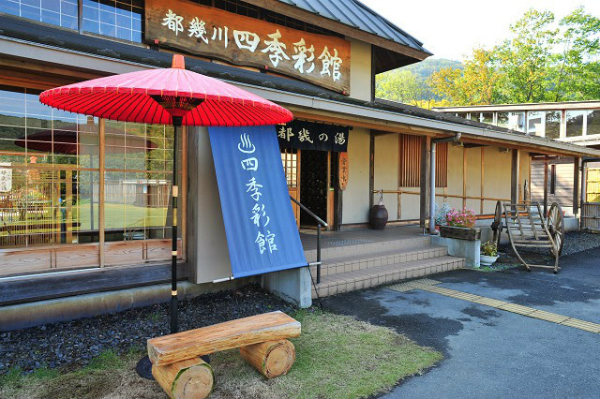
(167, 96)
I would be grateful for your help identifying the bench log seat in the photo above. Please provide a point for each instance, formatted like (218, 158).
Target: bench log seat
(262, 340)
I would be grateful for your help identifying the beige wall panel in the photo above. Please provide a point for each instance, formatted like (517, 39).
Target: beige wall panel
(208, 255)
(360, 70)
(455, 170)
(474, 173)
(356, 196)
(473, 205)
(386, 171)
(497, 176)
(410, 205)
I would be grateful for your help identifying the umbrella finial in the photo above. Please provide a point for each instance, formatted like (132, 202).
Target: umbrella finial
(178, 61)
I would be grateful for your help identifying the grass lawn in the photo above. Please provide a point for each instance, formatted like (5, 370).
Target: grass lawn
(337, 357)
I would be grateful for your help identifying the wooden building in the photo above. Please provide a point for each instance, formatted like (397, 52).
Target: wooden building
(552, 177)
(83, 208)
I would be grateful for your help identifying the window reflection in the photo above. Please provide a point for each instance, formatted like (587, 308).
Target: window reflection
(121, 19)
(55, 12)
(535, 123)
(593, 122)
(552, 124)
(574, 123)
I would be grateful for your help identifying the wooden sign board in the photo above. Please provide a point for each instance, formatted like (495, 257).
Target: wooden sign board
(212, 32)
(343, 170)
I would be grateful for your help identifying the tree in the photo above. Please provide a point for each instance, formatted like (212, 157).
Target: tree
(475, 84)
(399, 85)
(542, 61)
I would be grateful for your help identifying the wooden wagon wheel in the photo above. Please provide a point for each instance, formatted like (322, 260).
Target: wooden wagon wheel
(556, 226)
(497, 224)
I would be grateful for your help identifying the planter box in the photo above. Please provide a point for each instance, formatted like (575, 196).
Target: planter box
(461, 233)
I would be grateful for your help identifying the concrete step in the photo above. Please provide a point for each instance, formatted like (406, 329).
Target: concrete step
(350, 263)
(362, 249)
(337, 283)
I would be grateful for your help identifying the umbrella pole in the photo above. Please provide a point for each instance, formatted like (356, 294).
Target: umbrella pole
(175, 194)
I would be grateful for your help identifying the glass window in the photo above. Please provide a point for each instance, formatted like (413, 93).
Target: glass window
(574, 123)
(516, 121)
(48, 173)
(552, 125)
(55, 12)
(138, 180)
(502, 119)
(535, 123)
(593, 122)
(121, 19)
(487, 117)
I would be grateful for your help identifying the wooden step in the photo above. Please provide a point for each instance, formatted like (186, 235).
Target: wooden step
(374, 276)
(218, 337)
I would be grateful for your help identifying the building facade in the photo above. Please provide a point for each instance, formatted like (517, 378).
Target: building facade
(576, 122)
(84, 201)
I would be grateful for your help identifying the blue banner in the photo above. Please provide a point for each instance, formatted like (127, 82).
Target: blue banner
(259, 221)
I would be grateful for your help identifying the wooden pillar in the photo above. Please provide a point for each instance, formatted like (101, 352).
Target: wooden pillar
(482, 181)
(545, 186)
(514, 177)
(425, 180)
(576, 167)
(464, 179)
(371, 168)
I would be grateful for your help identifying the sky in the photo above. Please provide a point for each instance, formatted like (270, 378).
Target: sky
(451, 29)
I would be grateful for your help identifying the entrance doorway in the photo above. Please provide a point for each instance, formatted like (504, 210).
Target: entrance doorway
(314, 185)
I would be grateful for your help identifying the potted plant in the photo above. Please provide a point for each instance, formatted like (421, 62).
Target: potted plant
(460, 225)
(440, 215)
(489, 253)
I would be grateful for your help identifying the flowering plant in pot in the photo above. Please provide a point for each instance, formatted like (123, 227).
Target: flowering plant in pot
(489, 253)
(460, 225)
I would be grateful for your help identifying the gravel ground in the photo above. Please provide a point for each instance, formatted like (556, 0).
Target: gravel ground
(575, 241)
(73, 344)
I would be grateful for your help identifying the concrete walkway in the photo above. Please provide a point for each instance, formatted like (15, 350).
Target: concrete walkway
(490, 352)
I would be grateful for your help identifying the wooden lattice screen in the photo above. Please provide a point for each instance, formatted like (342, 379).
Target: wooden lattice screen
(410, 162)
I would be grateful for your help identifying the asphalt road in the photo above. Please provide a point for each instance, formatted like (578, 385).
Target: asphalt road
(490, 353)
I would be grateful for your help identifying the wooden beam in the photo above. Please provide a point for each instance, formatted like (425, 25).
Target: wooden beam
(545, 187)
(464, 178)
(482, 181)
(576, 168)
(425, 180)
(514, 177)
(339, 27)
(371, 168)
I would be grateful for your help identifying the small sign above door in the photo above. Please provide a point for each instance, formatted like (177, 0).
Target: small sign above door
(313, 136)
(320, 59)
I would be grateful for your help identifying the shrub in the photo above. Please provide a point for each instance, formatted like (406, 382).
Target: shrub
(464, 218)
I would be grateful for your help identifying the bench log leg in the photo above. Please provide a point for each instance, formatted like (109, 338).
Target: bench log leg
(271, 358)
(187, 379)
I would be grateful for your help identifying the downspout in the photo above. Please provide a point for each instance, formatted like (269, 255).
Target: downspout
(454, 139)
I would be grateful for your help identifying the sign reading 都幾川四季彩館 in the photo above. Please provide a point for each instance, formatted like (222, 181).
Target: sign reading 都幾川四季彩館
(320, 59)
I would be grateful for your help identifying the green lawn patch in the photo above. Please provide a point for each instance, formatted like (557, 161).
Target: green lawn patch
(337, 357)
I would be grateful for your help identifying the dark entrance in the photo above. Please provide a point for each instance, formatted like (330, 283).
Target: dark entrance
(313, 186)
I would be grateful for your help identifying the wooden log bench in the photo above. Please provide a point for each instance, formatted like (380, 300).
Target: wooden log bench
(262, 340)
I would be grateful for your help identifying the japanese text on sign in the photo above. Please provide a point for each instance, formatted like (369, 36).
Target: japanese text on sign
(265, 239)
(245, 40)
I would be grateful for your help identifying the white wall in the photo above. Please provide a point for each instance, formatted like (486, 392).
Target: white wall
(355, 207)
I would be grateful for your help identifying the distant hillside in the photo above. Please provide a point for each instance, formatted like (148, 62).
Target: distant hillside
(425, 68)
(410, 84)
